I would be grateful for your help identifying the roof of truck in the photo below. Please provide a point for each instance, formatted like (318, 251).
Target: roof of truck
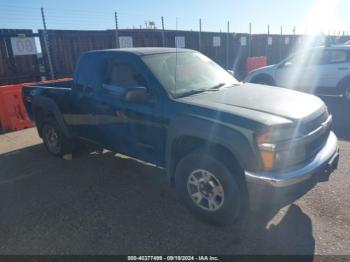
(145, 50)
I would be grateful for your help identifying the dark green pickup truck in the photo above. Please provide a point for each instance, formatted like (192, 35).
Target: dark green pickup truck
(224, 145)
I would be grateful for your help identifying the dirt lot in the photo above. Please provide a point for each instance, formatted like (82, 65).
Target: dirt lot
(103, 204)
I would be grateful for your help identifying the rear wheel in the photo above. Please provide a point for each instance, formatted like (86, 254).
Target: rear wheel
(208, 188)
(54, 139)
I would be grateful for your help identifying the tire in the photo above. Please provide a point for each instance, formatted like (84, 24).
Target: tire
(220, 208)
(346, 93)
(55, 141)
(263, 80)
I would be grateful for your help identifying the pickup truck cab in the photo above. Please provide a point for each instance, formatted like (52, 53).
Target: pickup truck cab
(223, 144)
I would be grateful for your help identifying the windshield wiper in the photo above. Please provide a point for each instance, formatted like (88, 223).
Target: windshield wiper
(217, 86)
(192, 92)
(213, 88)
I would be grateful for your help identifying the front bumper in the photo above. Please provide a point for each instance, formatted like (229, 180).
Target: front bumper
(283, 187)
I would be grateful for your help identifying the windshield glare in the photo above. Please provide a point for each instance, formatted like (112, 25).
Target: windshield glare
(194, 72)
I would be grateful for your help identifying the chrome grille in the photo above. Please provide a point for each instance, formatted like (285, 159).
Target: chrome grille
(314, 145)
(312, 125)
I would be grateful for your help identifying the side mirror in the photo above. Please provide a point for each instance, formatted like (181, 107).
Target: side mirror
(283, 65)
(231, 72)
(137, 95)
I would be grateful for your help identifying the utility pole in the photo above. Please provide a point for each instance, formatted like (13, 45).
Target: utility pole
(163, 36)
(47, 47)
(116, 30)
(199, 35)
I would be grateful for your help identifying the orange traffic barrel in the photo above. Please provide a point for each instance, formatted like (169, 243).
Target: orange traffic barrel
(13, 115)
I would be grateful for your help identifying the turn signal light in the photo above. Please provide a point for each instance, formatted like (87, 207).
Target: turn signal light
(268, 159)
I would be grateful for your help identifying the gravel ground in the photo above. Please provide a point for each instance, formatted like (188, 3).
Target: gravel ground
(107, 204)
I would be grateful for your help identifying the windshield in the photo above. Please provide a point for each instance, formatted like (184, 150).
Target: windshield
(194, 72)
(307, 58)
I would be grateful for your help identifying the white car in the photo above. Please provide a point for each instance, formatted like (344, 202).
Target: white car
(320, 70)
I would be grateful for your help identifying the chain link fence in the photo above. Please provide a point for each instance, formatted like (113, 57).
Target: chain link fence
(59, 36)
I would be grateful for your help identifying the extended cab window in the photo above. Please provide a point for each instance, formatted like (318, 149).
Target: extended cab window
(118, 76)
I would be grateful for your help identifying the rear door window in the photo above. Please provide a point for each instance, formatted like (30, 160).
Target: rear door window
(338, 56)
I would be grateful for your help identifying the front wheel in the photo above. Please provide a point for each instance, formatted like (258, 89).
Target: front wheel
(346, 93)
(208, 188)
(263, 80)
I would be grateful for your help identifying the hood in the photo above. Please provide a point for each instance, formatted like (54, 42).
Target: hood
(262, 103)
(265, 68)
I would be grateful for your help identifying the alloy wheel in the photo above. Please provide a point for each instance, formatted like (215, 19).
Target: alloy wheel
(205, 190)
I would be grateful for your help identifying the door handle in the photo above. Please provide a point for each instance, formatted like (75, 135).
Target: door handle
(343, 68)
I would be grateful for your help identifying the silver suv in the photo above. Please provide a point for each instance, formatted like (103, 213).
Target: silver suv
(320, 70)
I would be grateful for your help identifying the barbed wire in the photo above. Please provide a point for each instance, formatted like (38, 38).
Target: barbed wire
(13, 16)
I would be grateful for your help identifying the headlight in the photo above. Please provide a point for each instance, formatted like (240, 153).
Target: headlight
(269, 144)
(277, 134)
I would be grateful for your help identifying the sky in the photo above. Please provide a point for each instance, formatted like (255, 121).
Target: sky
(307, 16)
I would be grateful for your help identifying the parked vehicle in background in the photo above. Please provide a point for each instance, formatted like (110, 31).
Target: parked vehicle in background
(224, 145)
(320, 70)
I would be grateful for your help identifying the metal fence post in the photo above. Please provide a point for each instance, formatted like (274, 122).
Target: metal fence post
(280, 55)
(267, 41)
(250, 40)
(199, 35)
(47, 47)
(227, 42)
(116, 30)
(163, 37)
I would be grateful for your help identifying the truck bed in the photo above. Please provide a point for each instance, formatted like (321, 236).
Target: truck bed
(59, 91)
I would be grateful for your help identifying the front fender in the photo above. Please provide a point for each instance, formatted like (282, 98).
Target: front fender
(238, 140)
